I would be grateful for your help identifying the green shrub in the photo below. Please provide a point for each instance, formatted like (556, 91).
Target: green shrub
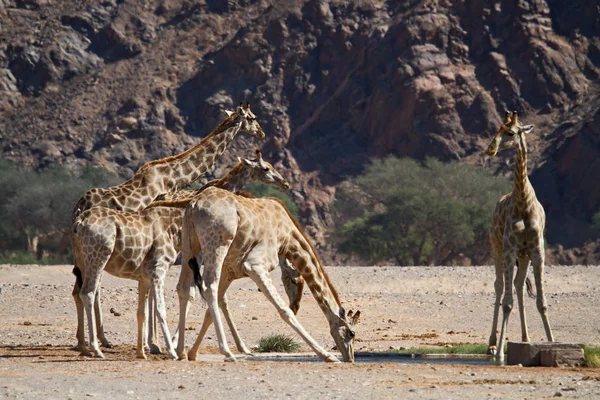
(414, 214)
(592, 356)
(278, 344)
(457, 349)
(36, 207)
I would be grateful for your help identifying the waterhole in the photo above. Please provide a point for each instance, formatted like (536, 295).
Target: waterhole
(362, 357)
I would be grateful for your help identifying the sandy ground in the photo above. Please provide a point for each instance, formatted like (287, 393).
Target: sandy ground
(401, 307)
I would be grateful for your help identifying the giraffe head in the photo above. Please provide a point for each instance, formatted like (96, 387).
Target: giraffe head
(263, 172)
(343, 332)
(507, 135)
(248, 120)
(293, 283)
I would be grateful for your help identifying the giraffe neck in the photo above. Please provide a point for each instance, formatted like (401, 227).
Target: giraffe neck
(188, 166)
(166, 175)
(236, 179)
(523, 191)
(302, 255)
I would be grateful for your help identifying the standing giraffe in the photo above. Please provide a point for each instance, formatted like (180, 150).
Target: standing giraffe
(244, 237)
(516, 235)
(173, 173)
(142, 246)
(158, 177)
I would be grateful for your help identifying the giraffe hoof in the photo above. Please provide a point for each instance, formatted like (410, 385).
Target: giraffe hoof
(86, 353)
(142, 356)
(492, 350)
(107, 345)
(181, 356)
(99, 354)
(154, 349)
(172, 355)
(231, 359)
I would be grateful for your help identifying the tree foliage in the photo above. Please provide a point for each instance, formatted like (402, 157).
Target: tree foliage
(36, 206)
(414, 214)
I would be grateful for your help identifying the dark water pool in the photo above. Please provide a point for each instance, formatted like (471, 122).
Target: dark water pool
(394, 358)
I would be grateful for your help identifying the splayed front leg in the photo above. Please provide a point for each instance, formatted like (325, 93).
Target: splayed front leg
(261, 277)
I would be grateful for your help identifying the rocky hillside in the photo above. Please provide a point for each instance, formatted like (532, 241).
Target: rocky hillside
(334, 83)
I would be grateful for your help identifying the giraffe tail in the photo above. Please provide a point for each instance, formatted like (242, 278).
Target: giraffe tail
(193, 263)
(78, 278)
(530, 290)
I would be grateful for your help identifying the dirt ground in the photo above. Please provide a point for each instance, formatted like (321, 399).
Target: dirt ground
(401, 307)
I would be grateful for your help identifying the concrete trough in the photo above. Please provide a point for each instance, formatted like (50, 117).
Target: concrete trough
(545, 354)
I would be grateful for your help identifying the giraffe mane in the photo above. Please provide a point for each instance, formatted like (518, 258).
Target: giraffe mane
(312, 248)
(222, 126)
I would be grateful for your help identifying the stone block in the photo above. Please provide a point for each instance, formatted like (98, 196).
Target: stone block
(529, 354)
(562, 358)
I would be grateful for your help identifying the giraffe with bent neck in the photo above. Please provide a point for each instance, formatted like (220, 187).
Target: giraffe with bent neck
(516, 235)
(157, 177)
(242, 237)
(142, 246)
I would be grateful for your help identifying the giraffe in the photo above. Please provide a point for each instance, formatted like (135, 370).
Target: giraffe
(158, 177)
(244, 237)
(172, 173)
(142, 246)
(516, 235)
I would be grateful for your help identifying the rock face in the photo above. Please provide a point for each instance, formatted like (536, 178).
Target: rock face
(334, 83)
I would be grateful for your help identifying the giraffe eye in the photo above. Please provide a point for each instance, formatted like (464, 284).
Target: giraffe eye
(266, 169)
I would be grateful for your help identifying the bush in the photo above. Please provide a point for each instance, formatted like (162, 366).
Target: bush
(278, 344)
(414, 214)
(36, 206)
(592, 356)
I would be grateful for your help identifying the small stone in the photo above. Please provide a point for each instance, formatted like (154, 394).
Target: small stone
(254, 318)
(558, 394)
(180, 387)
(27, 323)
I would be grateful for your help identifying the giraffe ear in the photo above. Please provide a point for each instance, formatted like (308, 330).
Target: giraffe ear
(527, 128)
(228, 113)
(246, 162)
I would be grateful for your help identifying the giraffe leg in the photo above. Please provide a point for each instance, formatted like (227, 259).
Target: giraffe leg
(161, 311)
(87, 295)
(522, 267)
(143, 292)
(499, 289)
(241, 346)
(507, 301)
(152, 338)
(205, 325)
(262, 279)
(212, 273)
(81, 346)
(186, 279)
(538, 258)
(99, 323)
